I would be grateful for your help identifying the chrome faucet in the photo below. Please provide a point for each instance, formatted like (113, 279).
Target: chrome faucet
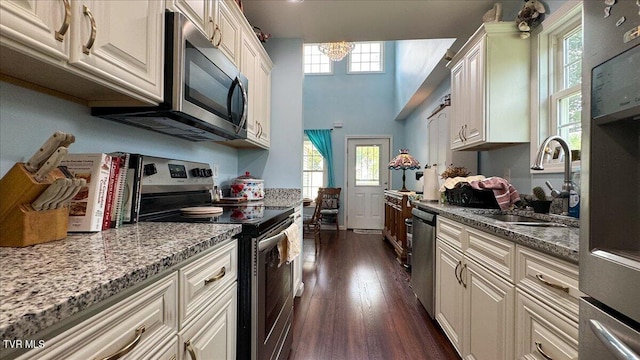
(568, 185)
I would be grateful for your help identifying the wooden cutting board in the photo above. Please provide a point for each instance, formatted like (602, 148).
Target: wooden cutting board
(230, 200)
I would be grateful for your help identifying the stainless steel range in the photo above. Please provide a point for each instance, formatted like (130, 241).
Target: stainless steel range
(265, 287)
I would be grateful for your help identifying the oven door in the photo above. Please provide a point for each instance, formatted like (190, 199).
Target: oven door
(272, 298)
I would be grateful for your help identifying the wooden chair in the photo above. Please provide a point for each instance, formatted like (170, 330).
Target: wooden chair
(331, 203)
(313, 223)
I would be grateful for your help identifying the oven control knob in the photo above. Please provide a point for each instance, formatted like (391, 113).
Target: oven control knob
(208, 172)
(150, 169)
(195, 172)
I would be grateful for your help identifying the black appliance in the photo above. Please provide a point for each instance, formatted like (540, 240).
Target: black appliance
(265, 287)
(205, 95)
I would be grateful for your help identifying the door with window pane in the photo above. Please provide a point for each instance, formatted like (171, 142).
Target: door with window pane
(367, 177)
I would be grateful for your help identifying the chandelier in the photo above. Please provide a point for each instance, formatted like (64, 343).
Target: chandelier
(336, 51)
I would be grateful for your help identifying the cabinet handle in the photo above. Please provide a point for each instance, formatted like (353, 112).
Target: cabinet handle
(464, 267)
(215, 278)
(65, 23)
(464, 132)
(189, 348)
(87, 48)
(539, 348)
(455, 271)
(216, 29)
(460, 134)
(550, 284)
(122, 352)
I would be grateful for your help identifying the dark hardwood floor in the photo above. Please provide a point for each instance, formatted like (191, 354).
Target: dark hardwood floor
(358, 304)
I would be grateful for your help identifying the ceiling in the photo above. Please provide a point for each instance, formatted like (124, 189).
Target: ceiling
(333, 20)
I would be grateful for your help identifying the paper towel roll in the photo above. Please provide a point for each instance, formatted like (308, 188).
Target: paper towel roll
(430, 190)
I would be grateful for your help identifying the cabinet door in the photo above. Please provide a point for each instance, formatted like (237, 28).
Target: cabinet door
(120, 42)
(264, 103)
(488, 314)
(449, 293)
(249, 69)
(542, 332)
(213, 334)
(197, 11)
(229, 27)
(41, 26)
(473, 128)
(458, 104)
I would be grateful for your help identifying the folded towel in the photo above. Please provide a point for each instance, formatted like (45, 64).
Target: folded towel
(450, 183)
(293, 241)
(505, 194)
(282, 251)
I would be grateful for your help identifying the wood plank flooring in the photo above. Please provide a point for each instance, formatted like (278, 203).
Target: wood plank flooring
(358, 304)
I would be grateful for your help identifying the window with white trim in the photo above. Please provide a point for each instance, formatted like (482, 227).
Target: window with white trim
(557, 105)
(315, 62)
(367, 57)
(313, 170)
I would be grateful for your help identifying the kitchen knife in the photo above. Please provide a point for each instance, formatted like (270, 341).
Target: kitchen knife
(45, 151)
(65, 184)
(72, 191)
(52, 162)
(49, 193)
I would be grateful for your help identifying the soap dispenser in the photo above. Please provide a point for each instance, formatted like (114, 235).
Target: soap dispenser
(574, 198)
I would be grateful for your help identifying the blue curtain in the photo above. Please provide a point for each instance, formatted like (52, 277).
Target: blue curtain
(321, 139)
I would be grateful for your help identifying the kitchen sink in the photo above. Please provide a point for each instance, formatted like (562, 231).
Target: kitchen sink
(522, 220)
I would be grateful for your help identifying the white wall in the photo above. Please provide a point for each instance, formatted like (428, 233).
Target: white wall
(28, 118)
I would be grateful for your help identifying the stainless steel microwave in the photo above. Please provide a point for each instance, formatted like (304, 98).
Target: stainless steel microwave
(205, 95)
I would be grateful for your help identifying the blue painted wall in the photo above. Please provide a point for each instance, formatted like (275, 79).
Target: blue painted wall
(363, 103)
(281, 166)
(27, 118)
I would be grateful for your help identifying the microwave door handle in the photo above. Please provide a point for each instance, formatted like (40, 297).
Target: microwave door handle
(245, 106)
(235, 82)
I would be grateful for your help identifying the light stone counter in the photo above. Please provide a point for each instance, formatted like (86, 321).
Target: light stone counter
(45, 284)
(561, 242)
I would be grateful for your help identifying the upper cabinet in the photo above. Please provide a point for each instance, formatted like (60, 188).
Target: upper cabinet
(219, 20)
(490, 89)
(103, 52)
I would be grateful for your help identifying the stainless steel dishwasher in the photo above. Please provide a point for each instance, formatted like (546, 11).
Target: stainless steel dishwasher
(423, 263)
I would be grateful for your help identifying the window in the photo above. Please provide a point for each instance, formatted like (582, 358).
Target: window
(557, 70)
(366, 57)
(313, 173)
(316, 62)
(367, 165)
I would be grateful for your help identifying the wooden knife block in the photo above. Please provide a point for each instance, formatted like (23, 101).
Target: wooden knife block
(20, 225)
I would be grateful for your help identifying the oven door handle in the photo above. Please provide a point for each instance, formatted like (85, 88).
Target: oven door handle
(270, 242)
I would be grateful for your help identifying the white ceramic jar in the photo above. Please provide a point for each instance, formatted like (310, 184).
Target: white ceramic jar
(248, 187)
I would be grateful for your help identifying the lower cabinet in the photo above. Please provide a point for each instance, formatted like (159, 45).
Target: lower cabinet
(496, 300)
(396, 210)
(213, 334)
(474, 307)
(189, 313)
(543, 332)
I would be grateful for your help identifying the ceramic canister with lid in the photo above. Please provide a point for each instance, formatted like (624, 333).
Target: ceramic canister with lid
(248, 187)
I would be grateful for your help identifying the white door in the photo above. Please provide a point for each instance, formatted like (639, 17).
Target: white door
(367, 177)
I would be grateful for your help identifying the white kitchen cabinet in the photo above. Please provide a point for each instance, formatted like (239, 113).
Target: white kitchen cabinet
(198, 11)
(440, 152)
(142, 321)
(213, 334)
(228, 19)
(499, 281)
(488, 313)
(490, 89)
(449, 293)
(543, 332)
(474, 290)
(111, 52)
(256, 65)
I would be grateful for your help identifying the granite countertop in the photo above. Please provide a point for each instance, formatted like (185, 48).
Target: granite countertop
(282, 197)
(44, 284)
(561, 242)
